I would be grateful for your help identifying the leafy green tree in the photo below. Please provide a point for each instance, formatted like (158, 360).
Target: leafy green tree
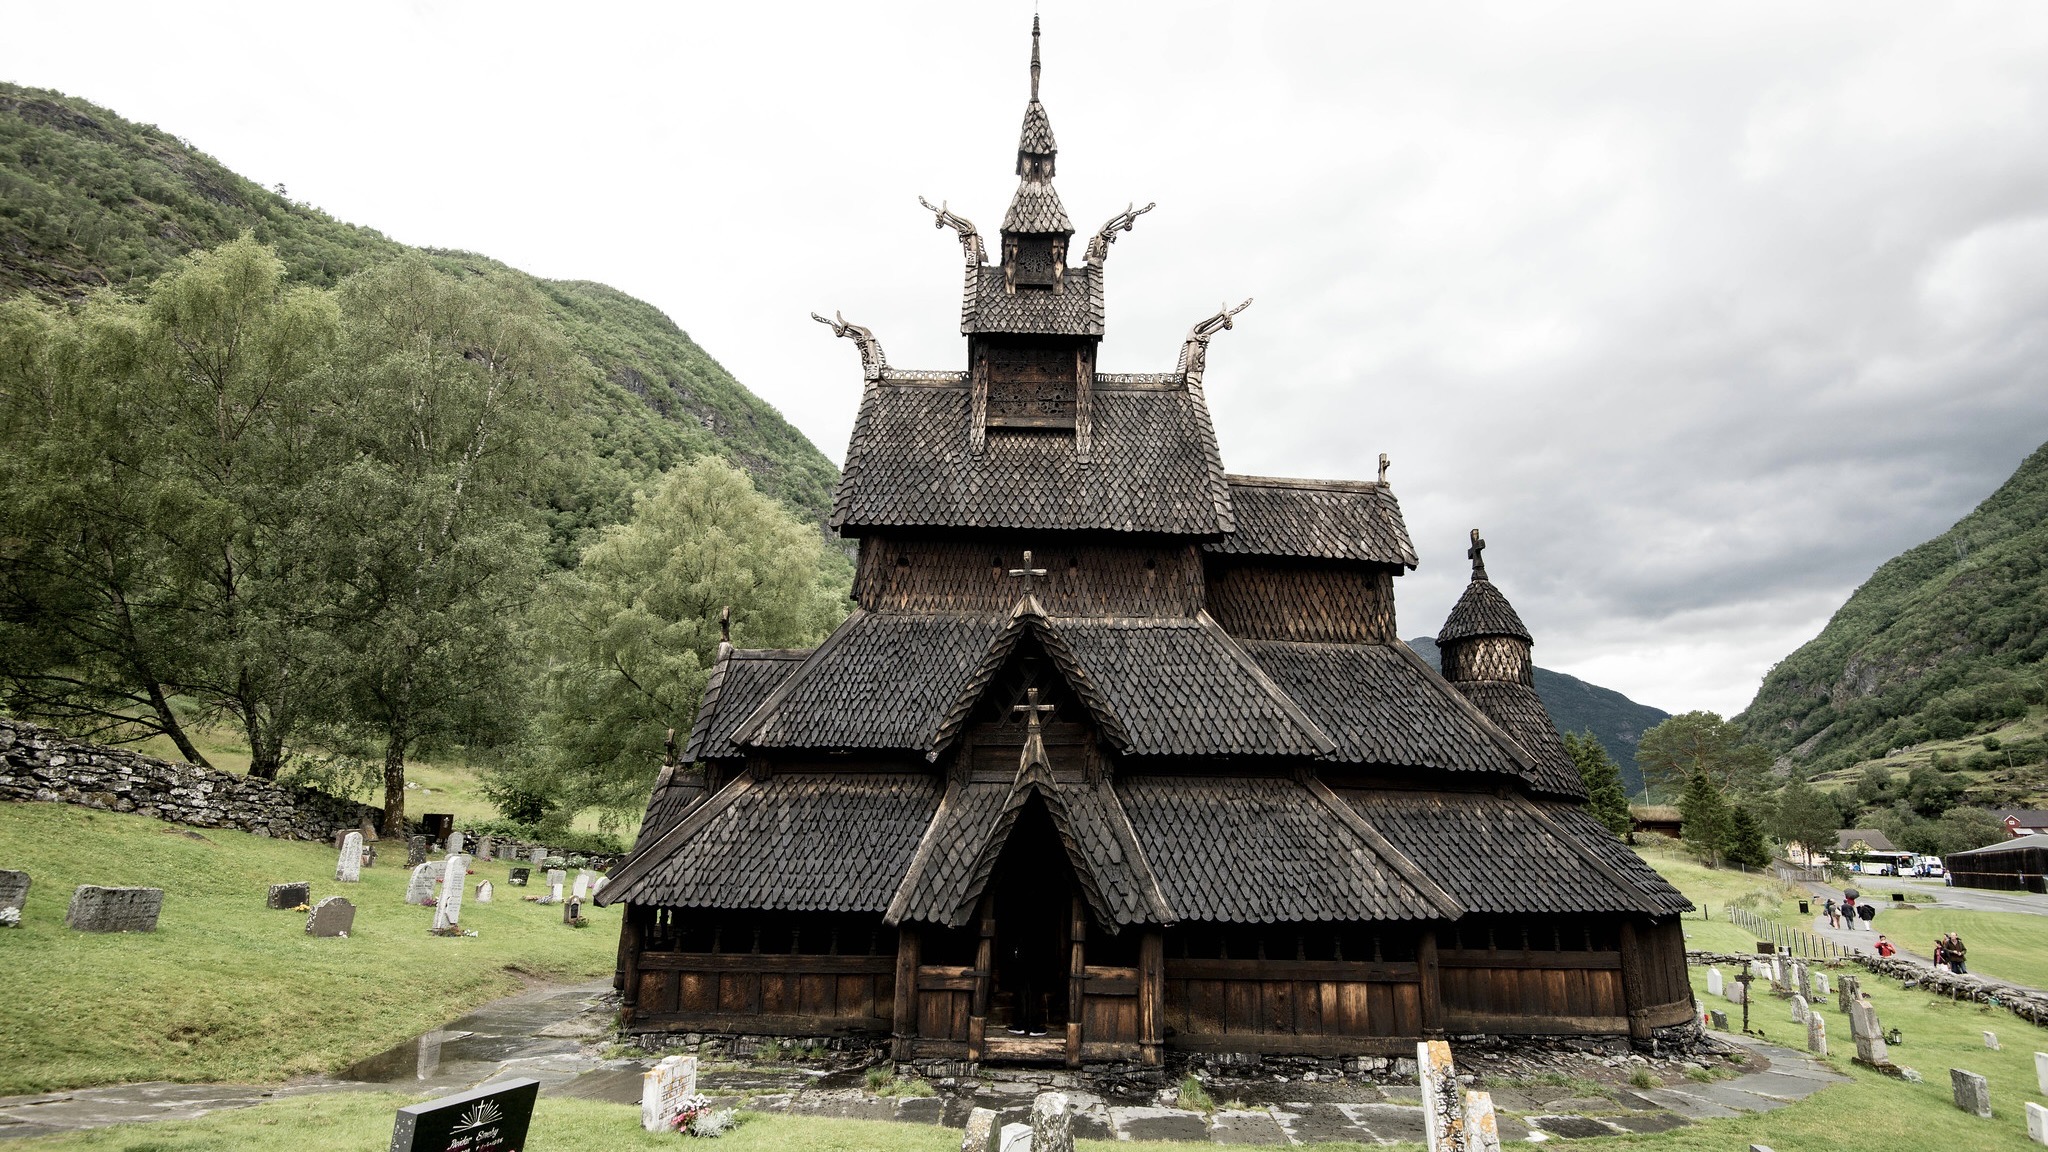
(1673, 752)
(1806, 816)
(1746, 844)
(1606, 797)
(444, 396)
(1874, 786)
(1931, 791)
(1705, 822)
(632, 632)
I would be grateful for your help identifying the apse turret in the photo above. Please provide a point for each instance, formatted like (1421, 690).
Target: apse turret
(1484, 640)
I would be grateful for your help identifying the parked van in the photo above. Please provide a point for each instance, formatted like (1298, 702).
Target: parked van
(1927, 866)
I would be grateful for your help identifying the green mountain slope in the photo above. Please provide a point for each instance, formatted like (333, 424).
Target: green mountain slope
(1943, 641)
(89, 200)
(1576, 706)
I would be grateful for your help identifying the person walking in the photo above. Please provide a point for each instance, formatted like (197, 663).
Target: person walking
(1955, 952)
(1834, 914)
(1849, 912)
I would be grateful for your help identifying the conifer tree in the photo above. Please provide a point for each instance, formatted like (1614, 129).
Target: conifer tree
(1746, 839)
(1606, 798)
(1707, 827)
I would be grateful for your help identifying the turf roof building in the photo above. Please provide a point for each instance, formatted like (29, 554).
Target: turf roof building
(1121, 753)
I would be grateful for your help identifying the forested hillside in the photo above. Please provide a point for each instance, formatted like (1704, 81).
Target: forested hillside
(1944, 641)
(89, 200)
(1576, 706)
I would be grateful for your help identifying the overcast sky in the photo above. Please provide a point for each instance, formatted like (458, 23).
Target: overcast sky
(1698, 312)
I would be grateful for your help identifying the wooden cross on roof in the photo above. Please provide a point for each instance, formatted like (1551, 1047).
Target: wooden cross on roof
(1476, 553)
(1033, 710)
(1027, 572)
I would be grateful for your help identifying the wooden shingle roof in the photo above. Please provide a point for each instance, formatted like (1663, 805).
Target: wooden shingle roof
(740, 679)
(1036, 207)
(675, 790)
(1153, 467)
(1482, 611)
(1250, 850)
(1518, 709)
(1076, 310)
(1316, 519)
(880, 681)
(1500, 854)
(796, 841)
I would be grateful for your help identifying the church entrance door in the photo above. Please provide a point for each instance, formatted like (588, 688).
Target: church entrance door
(1033, 891)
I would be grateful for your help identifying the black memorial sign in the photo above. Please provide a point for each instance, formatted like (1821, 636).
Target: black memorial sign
(492, 1118)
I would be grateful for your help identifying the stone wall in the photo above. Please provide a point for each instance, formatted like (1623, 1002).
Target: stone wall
(40, 764)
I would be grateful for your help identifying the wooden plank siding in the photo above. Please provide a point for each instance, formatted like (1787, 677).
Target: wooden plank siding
(1532, 992)
(704, 991)
(1271, 1000)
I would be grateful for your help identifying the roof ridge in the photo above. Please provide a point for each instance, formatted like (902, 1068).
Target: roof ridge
(1416, 877)
(1311, 485)
(1464, 703)
(751, 726)
(1323, 741)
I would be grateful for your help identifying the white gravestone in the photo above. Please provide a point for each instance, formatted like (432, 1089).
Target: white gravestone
(1482, 1128)
(455, 843)
(2037, 1123)
(1014, 1138)
(1799, 984)
(537, 857)
(664, 1088)
(1714, 986)
(1799, 1011)
(1736, 992)
(2041, 1072)
(448, 912)
(1820, 986)
(582, 888)
(483, 892)
(1443, 1109)
(420, 888)
(1816, 1034)
(349, 869)
(1991, 1040)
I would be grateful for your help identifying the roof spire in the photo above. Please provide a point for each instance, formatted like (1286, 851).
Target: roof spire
(1034, 56)
(1477, 554)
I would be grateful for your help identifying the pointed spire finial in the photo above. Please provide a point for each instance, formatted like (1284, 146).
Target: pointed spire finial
(1383, 468)
(725, 624)
(1477, 554)
(1034, 55)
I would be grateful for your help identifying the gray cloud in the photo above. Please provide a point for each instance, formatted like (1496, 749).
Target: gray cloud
(1699, 314)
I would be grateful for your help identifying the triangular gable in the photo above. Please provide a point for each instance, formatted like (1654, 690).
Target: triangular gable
(1027, 618)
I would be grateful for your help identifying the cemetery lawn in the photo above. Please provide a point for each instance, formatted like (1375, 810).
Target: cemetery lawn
(228, 990)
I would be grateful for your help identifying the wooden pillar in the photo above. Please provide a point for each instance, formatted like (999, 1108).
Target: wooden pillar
(904, 1032)
(1432, 988)
(1151, 995)
(984, 981)
(1077, 980)
(630, 935)
(1634, 985)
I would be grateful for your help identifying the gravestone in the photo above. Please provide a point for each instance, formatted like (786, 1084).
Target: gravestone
(555, 880)
(97, 909)
(582, 888)
(1991, 1040)
(1820, 986)
(1868, 1032)
(289, 896)
(1482, 1128)
(13, 889)
(537, 857)
(2041, 1072)
(415, 851)
(483, 892)
(448, 911)
(333, 916)
(1799, 983)
(1719, 1021)
(1846, 992)
(572, 911)
(2037, 1123)
(664, 1088)
(508, 851)
(1443, 1109)
(1799, 1012)
(1816, 1034)
(368, 828)
(1052, 1123)
(420, 889)
(455, 843)
(1973, 1095)
(554, 895)
(518, 876)
(597, 885)
(1014, 1138)
(493, 1118)
(1738, 992)
(485, 849)
(1714, 985)
(349, 869)
(980, 1128)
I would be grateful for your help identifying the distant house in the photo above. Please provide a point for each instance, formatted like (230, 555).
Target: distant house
(1663, 819)
(2020, 822)
(2017, 864)
(1871, 838)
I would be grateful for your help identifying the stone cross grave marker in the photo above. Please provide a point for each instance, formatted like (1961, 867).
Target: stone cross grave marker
(2037, 1123)
(1714, 985)
(334, 916)
(420, 888)
(1799, 1011)
(1052, 1123)
(448, 911)
(493, 1118)
(455, 843)
(349, 869)
(1443, 1111)
(289, 896)
(1816, 1034)
(663, 1088)
(517, 877)
(1482, 1127)
(97, 909)
(13, 889)
(415, 851)
(1973, 1095)
(483, 892)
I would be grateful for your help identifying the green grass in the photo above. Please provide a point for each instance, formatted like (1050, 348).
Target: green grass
(226, 989)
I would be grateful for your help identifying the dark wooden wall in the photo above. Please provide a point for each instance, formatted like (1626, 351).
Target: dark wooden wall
(1314, 603)
(1081, 579)
(676, 979)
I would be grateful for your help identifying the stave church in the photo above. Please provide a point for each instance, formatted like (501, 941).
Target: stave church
(1120, 754)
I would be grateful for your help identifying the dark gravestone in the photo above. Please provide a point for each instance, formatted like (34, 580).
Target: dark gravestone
(290, 896)
(492, 1118)
(415, 851)
(518, 877)
(97, 909)
(333, 916)
(13, 889)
